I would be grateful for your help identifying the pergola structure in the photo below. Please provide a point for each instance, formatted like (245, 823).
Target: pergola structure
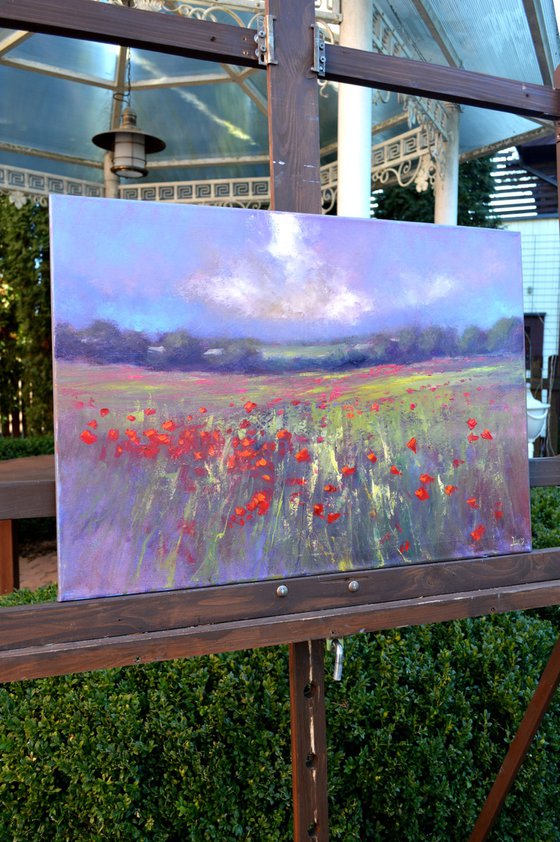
(53, 639)
(58, 93)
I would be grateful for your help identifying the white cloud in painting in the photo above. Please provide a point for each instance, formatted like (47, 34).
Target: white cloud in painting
(286, 282)
(419, 293)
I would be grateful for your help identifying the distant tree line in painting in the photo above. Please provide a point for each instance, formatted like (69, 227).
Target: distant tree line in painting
(104, 343)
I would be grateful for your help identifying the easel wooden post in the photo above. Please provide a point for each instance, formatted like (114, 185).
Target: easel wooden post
(293, 128)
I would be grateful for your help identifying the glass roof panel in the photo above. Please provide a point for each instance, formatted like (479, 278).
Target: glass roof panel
(487, 36)
(204, 119)
(84, 57)
(51, 114)
(149, 65)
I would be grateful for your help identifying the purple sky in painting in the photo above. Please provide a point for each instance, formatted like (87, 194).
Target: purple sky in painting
(277, 277)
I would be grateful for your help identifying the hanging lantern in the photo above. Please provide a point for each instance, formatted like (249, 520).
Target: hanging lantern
(129, 145)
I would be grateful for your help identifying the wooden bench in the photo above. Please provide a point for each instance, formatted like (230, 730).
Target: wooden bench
(27, 489)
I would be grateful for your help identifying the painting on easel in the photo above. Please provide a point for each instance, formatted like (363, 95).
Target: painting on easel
(244, 395)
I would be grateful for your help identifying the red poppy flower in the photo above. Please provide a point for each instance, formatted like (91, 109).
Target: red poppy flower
(104, 411)
(202, 410)
(472, 438)
(404, 548)
(92, 424)
(303, 455)
(347, 471)
(411, 444)
(332, 517)
(422, 494)
(131, 418)
(457, 462)
(471, 423)
(330, 489)
(149, 412)
(413, 406)
(426, 478)
(486, 434)
(239, 511)
(498, 514)
(296, 403)
(261, 463)
(472, 503)
(318, 510)
(372, 457)
(284, 434)
(113, 435)
(296, 481)
(477, 533)
(250, 406)
(375, 407)
(395, 471)
(450, 489)
(87, 437)
(169, 426)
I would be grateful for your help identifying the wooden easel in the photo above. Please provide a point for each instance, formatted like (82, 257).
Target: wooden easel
(57, 639)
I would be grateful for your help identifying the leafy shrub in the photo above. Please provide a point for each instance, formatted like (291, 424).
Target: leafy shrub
(30, 446)
(199, 749)
(545, 516)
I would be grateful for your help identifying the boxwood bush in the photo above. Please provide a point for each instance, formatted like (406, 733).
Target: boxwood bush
(199, 749)
(13, 448)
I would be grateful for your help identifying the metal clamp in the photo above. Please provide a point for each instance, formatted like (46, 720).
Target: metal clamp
(264, 39)
(338, 659)
(319, 57)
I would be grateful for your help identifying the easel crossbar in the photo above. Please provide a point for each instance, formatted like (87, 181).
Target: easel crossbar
(59, 658)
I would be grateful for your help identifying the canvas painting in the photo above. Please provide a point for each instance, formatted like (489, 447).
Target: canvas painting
(245, 395)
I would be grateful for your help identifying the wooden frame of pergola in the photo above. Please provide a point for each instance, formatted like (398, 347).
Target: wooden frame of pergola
(52, 639)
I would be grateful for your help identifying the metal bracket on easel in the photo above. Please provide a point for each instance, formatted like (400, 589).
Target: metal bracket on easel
(319, 57)
(264, 39)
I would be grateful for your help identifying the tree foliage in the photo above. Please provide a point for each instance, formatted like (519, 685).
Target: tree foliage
(25, 323)
(475, 187)
(104, 343)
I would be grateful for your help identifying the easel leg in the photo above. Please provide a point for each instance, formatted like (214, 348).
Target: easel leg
(519, 747)
(309, 741)
(9, 567)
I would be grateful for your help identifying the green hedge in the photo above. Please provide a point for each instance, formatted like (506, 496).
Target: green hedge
(199, 749)
(30, 446)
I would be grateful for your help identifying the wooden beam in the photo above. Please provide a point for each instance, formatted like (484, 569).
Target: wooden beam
(450, 84)
(57, 623)
(309, 741)
(519, 747)
(129, 27)
(293, 102)
(103, 653)
(295, 181)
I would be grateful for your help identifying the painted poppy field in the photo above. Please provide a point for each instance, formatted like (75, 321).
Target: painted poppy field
(185, 479)
(243, 395)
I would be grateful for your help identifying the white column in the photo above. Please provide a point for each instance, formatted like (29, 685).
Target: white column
(446, 186)
(354, 117)
(111, 181)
